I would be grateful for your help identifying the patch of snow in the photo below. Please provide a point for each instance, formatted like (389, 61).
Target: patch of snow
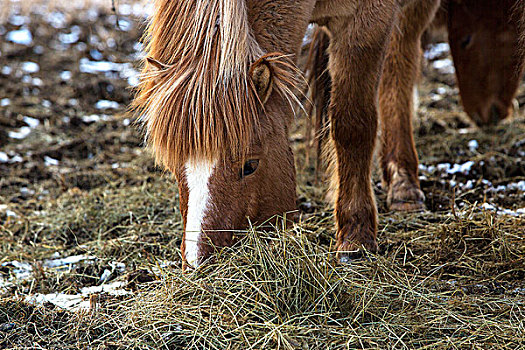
(437, 50)
(65, 75)
(32, 122)
(77, 302)
(4, 158)
(56, 19)
(6, 70)
(70, 260)
(71, 37)
(18, 20)
(307, 38)
(63, 301)
(114, 288)
(93, 118)
(22, 133)
(22, 36)
(5, 102)
(105, 276)
(441, 90)
(451, 169)
(96, 55)
(118, 266)
(504, 211)
(125, 25)
(473, 145)
(48, 161)
(106, 104)
(20, 270)
(514, 186)
(444, 66)
(26, 191)
(30, 67)
(37, 82)
(124, 70)
(16, 159)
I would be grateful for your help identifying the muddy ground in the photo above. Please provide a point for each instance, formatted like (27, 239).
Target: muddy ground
(83, 205)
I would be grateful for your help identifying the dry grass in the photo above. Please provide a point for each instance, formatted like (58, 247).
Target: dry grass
(444, 279)
(280, 290)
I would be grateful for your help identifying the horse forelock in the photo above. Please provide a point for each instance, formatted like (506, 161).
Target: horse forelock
(201, 103)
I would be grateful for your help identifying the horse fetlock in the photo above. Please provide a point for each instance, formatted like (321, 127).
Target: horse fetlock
(356, 234)
(404, 194)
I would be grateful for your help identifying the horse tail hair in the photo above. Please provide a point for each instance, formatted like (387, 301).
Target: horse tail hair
(320, 84)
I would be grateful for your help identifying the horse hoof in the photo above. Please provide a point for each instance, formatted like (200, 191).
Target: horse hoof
(407, 206)
(406, 197)
(350, 252)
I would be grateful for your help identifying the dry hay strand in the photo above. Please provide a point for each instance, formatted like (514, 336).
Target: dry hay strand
(280, 291)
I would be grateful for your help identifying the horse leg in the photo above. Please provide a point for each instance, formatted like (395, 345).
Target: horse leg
(398, 154)
(357, 51)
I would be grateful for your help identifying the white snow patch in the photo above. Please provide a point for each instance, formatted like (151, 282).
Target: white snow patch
(504, 211)
(124, 70)
(22, 36)
(18, 20)
(30, 67)
(22, 133)
(451, 169)
(65, 75)
(70, 38)
(70, 260)
(6, 70)
(32, 122)
(77, 302)
(437, 50)
(473, 145)
(48, 161)
(106, 104)
(93, 118)
(445, 66)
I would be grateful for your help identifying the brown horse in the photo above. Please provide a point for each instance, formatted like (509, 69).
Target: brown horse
(216, 104)
(484, 39)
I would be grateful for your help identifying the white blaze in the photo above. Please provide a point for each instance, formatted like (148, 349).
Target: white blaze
(197, 177)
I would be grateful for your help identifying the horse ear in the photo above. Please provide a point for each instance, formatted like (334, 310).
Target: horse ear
(262, 77)
(157, 65)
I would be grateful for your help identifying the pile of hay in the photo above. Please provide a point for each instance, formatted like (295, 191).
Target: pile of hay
(279, 291)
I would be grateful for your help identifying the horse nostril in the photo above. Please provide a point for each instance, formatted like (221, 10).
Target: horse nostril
(494, 115)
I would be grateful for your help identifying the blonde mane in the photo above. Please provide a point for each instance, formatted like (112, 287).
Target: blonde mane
(199, 102)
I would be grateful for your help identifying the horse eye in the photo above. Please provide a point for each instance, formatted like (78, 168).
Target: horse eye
(466, 41)
(249, 167)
